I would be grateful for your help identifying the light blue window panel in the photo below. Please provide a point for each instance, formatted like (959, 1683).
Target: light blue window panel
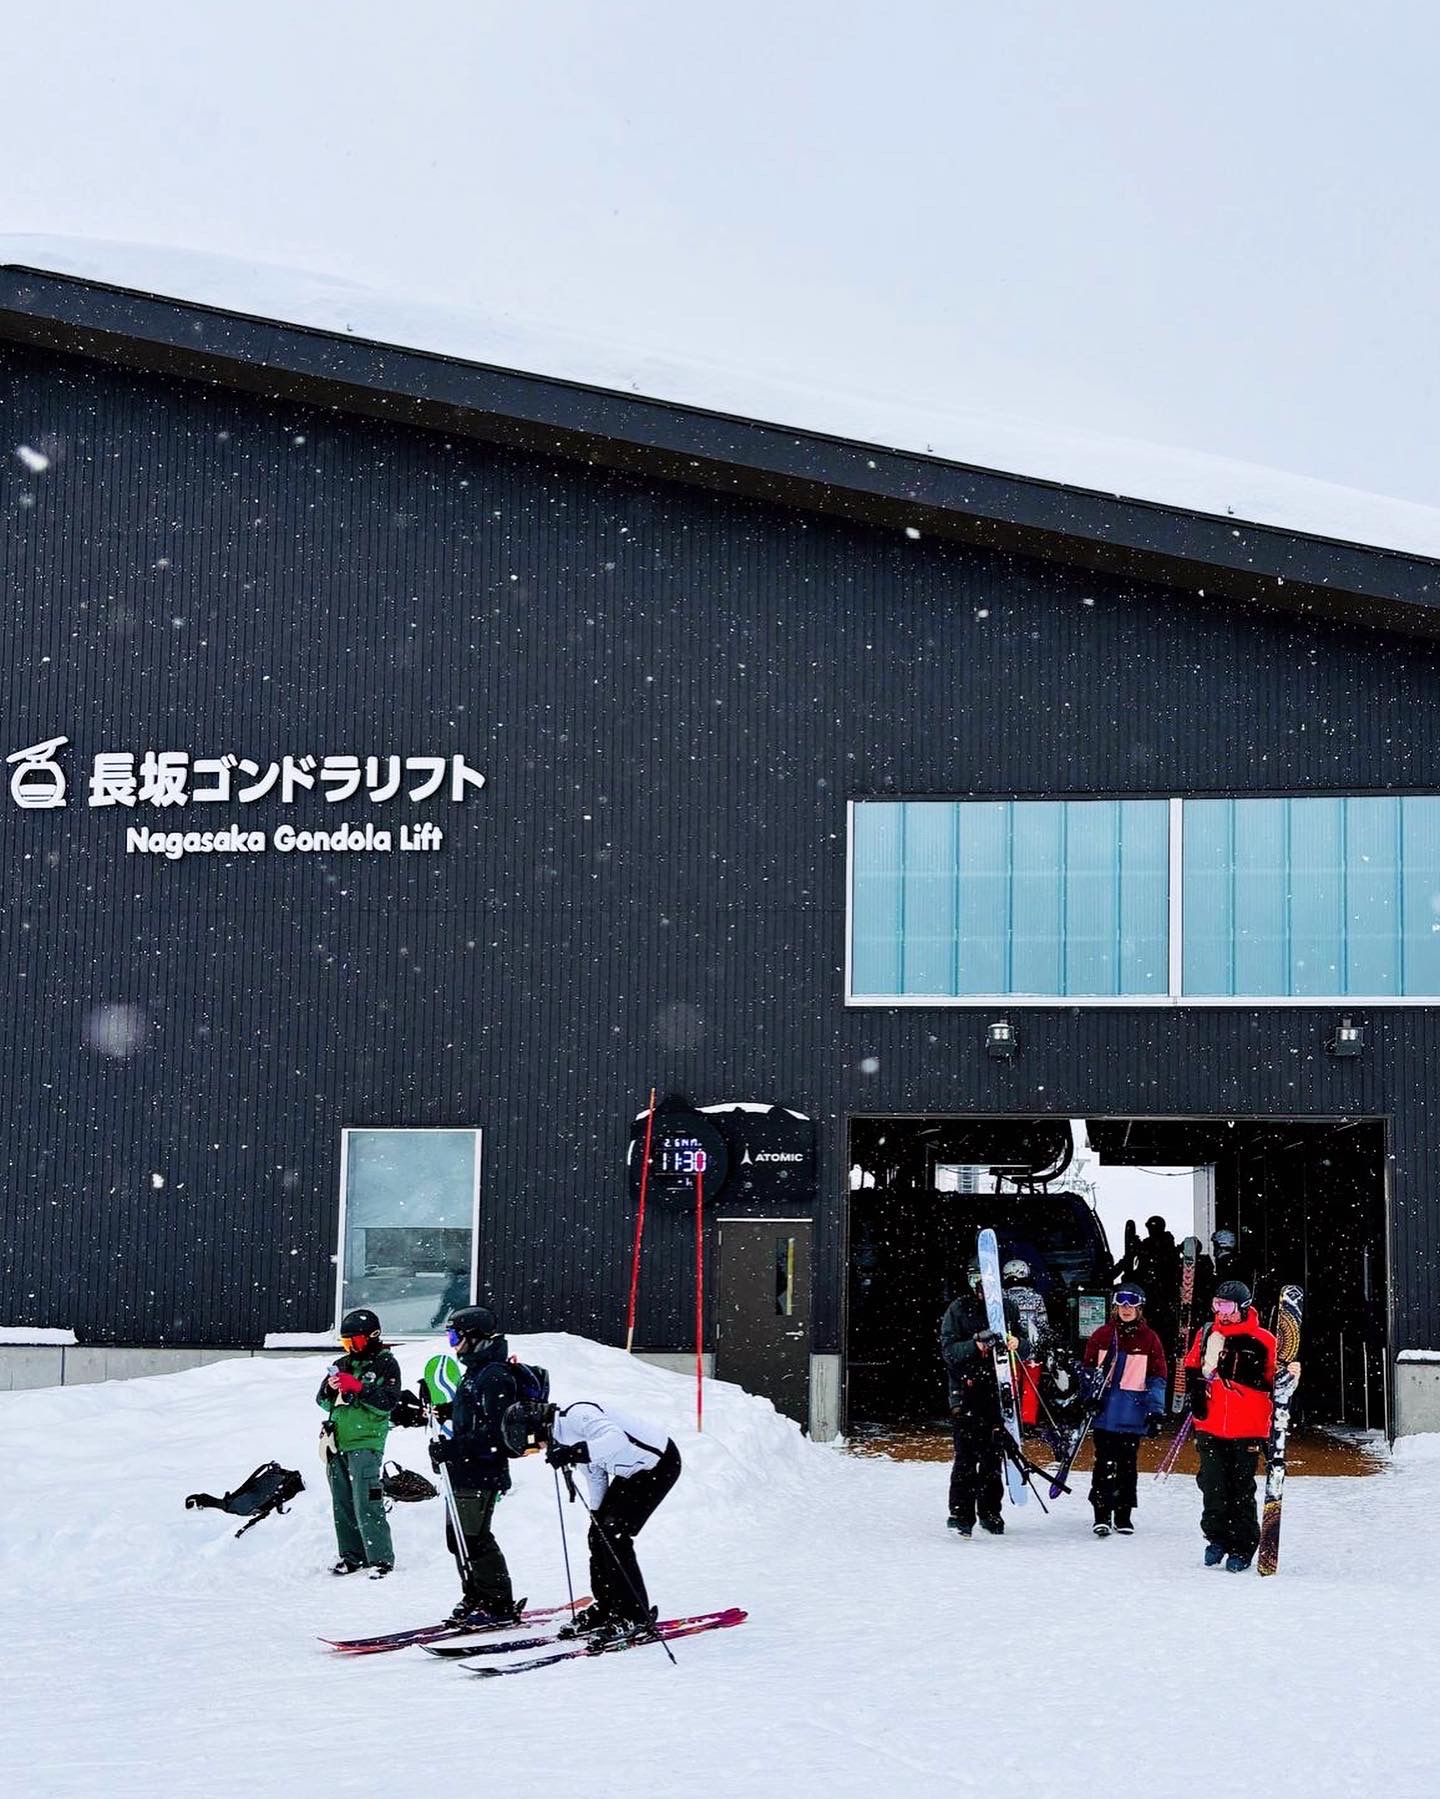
(409, 1201)
(1036, 898)
(1312, 898)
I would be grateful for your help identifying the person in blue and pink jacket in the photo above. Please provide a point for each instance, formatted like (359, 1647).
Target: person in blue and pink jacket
(1126, 1368)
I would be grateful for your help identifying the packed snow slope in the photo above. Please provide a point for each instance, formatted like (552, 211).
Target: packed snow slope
(146, 1651)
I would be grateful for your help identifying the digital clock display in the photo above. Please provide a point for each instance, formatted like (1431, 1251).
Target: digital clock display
(680, 1155)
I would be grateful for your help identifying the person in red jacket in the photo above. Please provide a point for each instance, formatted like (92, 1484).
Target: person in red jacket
(1229, 1379)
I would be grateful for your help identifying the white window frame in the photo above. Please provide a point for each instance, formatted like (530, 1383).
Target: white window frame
(1172, 999)
(406, 1130)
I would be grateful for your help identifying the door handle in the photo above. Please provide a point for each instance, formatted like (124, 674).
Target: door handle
(799, 1333)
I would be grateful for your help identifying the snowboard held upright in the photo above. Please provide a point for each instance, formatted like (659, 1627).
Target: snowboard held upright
(988, 1251)
(1287, 1338)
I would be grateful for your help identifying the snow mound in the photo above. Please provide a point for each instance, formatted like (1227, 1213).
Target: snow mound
(148, 1651)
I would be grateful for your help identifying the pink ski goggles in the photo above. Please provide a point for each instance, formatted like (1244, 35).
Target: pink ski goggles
(1224, 1308)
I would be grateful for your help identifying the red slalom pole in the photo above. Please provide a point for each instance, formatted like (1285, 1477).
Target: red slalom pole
(639, 1228)
(700, 1291)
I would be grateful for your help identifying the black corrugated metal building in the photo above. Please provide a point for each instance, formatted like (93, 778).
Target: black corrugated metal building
(736, 692)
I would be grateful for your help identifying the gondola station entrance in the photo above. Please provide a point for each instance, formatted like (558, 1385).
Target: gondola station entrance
(1305, 1200)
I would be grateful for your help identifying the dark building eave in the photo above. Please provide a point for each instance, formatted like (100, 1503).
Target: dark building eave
(1134, 539)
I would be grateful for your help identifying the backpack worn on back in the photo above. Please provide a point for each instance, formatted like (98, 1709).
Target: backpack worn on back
(268, 1489)
(531, 1384)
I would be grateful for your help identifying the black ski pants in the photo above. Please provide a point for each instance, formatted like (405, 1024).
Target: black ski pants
(1112, 1482)
(615, 1577)
(977, 1474)
(486, 1587)
(1230, 1516)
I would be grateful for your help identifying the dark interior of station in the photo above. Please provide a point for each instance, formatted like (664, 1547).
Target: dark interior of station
(1306, 1199)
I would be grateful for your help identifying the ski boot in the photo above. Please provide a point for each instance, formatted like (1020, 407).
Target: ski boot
(343, 1567)
(957, 1524)
(618, 1631)
(1101, 1526)
(993, 1523)
(1236, 1564)
(1123, 1525)
(586, 1623)
(380, 1570)
(1214, 1554)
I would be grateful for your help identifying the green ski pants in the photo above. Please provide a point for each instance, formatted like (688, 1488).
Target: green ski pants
(362, 1531)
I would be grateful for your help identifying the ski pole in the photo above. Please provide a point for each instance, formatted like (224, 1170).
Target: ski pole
(452, 1509)
(1172, 1454)
(565, 1546)
(615, 1553)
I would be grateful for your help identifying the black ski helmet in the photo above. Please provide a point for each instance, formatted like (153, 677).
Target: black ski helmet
(972, 1271)
(1234, 1290)
(360, 1321)
(1155, 1225)
(526, 1426)
(479, 1322)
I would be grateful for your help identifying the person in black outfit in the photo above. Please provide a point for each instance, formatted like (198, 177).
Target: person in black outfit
(969, 1347)
(479, 1469)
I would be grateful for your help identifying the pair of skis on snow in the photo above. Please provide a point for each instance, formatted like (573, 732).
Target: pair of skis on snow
(436, 1639)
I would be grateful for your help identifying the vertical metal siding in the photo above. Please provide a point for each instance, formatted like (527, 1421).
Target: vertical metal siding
(673, 695)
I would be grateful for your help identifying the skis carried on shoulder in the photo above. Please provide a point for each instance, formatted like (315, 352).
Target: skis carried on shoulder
(434, 1633)
(988, 1251)
(1287, 1340)
(456, 1652)
(1189, 1256)
(668, 1632)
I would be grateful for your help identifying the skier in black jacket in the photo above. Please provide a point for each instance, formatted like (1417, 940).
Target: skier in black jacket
(969, 1347)
(474, 1456)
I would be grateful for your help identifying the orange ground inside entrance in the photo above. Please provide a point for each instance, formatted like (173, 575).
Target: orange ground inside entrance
(1309, 1452)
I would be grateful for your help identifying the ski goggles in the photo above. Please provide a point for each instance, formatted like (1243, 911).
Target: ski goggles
(1224, 1308)
(355, 1344)
(1127, 1296)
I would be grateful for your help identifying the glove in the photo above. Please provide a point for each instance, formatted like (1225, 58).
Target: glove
(1153, 1423)
(441, 1451)
(1197, 1391)
(567, 1455)
(443, 1413)
(985, 1339)
(348, 1384)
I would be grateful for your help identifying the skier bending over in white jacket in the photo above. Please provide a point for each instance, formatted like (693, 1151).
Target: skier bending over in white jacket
(629, 1467)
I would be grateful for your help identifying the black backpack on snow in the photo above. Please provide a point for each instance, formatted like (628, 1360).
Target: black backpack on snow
(270, 1488)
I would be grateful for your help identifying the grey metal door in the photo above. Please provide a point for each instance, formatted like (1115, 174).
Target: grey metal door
(762, 1338)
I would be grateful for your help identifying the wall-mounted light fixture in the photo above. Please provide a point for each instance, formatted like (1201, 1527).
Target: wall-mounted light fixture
(1349, 1038)
(1001, 1040)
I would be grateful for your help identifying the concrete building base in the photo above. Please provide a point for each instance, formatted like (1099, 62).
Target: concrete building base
(1417, 1392)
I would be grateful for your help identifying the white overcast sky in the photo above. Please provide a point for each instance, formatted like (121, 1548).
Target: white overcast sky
(1206, 226)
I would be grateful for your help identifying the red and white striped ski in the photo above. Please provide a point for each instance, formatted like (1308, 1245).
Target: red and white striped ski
(669, 1632)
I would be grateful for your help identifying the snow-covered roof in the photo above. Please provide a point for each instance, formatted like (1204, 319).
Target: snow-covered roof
(1125, 467)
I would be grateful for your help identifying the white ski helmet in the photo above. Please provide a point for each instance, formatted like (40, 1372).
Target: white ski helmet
(1016, 1269)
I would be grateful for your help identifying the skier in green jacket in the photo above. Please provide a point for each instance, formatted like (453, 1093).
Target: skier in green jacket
(358, 1395)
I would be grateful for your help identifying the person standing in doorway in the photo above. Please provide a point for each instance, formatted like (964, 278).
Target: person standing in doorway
(1230, 1380)
(969, 1347)
(1125, 1363)
(358, 1394)
(474, 1458)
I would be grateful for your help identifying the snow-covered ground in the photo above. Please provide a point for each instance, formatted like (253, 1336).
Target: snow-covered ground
(145, 1651)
